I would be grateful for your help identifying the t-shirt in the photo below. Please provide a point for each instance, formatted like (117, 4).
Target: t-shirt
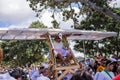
(6, 76)
(58, 45)
(42, 77)
(35, 75)
(104, 76)
(96, 76)
(116, 77)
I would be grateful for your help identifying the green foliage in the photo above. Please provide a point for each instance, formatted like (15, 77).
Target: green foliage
(100, 22)
(22, 52)
(37, 24)
(117, 11)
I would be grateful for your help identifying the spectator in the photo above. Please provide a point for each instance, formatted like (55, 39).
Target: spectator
(101, 66)
(83, 75)
(6, 76)
(116, 77)
(44, 75)
(16, 75)
(107, 73)
(113, 57)
(37, 73)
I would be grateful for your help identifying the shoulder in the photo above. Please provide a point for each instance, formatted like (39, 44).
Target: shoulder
(112, 74)
(43, 78)
(102, 74)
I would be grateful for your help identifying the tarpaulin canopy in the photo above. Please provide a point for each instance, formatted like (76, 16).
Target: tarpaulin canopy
(35, 33)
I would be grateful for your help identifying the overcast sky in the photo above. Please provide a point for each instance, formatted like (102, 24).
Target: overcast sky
(17, 14)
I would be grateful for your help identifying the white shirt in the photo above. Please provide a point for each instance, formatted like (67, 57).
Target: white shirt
(96, 76)
(104, 76)
(58, 45)
(42, 77)
(35, 75)
(6, 76)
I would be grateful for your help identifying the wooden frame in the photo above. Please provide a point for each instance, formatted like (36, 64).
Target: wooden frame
(65, 69)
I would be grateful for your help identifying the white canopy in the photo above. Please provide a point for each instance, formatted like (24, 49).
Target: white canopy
(35, 33)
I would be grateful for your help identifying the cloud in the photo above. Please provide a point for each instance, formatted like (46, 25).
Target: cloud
(115, 3)
(118, 3)
(16, 12)
(46, 18)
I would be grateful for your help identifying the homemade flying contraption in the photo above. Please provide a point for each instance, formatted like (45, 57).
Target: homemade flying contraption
(49, 34)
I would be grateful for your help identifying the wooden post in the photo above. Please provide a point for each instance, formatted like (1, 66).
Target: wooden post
(1, 55)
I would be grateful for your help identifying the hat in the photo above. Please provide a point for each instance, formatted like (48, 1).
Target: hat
(113, 59)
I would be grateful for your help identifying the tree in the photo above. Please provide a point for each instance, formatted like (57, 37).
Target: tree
(19, 52)
(99, 16)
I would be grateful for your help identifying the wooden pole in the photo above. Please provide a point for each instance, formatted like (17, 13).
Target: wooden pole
(1, 55)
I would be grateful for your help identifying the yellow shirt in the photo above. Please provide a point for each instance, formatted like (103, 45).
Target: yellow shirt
(100, 68)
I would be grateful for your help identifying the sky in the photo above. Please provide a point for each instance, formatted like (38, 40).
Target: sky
(18, 14)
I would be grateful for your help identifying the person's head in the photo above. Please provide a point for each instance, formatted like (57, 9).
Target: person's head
(76, 76)
(46, 72)
(118, 62)
(83, 75)
(109, 65)
(118, 69)
(103, 62)
(99, 55)
(57, 39)
(88, 62)
(40, 69)
(16, 75)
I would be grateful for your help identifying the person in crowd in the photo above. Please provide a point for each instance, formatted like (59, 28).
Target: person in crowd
(16, 75)
(60, 50)
(118, 64)
(99, 57)
(101, 66)
(37, 74)
(107, 73)
(6, 76)
(113, 57)
(83, 75)
(118, 69)
(44, 75)
(116, 77)
(115, 67)
(88, 62)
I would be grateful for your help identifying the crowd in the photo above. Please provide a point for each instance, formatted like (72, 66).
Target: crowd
(90, 69)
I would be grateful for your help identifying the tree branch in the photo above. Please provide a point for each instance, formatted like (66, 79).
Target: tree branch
(96, 8)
